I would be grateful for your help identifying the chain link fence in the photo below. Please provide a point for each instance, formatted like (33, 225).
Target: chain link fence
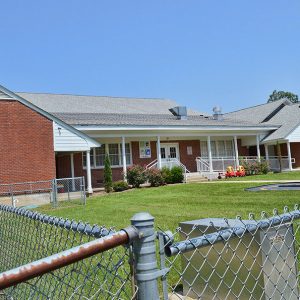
(233, 258)
(26, 193)
(58, 192)
(203, 259)
(27, 236)
(67, 190)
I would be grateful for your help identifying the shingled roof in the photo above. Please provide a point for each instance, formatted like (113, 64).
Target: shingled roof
(76, 104)
(282, 113)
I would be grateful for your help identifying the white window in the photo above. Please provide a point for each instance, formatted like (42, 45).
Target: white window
(218, 148)
(114, 151)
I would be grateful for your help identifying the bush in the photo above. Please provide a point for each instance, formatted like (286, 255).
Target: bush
(120, 186)
(174, 175)
(107, 175)
(155, 177)
(136, 175)
(255, 167)
(166, 175)
(177, 174)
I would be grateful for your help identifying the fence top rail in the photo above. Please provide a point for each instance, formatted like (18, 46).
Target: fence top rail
(249, 226)
(80, 227)
(69, 178)
(67, 257)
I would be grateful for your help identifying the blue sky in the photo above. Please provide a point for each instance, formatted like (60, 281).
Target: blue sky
(230, 53)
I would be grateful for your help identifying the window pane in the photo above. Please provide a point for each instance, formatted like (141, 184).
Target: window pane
(113, 150)
(229, 148)
(127, 153)
(203, 148)
(163, 153)
(100, 156)
(221, 148)
(213, 149)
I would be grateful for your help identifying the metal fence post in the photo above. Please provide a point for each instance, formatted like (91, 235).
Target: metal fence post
(145, 261)
(54, 193)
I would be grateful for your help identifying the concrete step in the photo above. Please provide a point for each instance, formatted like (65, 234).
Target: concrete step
(197, 178)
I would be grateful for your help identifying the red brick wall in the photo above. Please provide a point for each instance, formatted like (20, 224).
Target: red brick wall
(26, 144)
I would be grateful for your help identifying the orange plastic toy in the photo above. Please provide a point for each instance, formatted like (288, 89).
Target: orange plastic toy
(240, 172)
(229, 172)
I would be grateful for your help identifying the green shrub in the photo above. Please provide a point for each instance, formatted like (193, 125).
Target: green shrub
(107, 175)
(166, 175)
(255, 167)
(120, 186)
(174, 175)
(155, 177)
(136, 175)
(177, 174)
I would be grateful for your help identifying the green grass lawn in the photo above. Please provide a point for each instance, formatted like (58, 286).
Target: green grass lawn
(175, 203)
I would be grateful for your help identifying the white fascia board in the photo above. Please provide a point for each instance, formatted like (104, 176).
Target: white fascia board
(186, 128)
(92, 143)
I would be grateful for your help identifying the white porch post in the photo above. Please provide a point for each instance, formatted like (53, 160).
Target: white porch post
(72, 170)
(124, 158)
(89, 173)
(209, 154)
(289, 155)
(158, 152)
(236, 151)
(267, 152)
(257, 148)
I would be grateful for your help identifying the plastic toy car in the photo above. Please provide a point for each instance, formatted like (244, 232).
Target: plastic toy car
(229, 172)
(240, 171)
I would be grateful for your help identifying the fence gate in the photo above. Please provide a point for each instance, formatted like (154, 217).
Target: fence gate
(65, 190)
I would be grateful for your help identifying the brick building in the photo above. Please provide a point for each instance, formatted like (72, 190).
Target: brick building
(49, 135)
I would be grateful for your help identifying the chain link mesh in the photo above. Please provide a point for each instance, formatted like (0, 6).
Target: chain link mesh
(27, 236)
(69, 190)
(26, 193)
(233, 258)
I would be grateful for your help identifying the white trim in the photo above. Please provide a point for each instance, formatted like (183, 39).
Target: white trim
(267, 151)
(257, 147)
(236, 149)
(158, 152)
(179, 128)
(193, 135)
(209, 154)
(166, 144)
(90, 142)
(124, 158)
(89, 173)
(94, 167)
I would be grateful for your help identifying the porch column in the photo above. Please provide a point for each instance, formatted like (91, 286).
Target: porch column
(236, 151)
(289, 155)
(209, 154)
(158, 152)
(257, 148)
(267, 152)
(89, 173)
(124, 158)
(72, 170)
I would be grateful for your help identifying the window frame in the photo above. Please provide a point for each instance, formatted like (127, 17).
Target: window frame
(106, 145)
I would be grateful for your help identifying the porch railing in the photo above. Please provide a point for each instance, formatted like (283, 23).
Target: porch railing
(219, 164)
(169, 163)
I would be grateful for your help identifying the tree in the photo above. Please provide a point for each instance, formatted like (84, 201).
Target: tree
(277, 95)
(107, 175)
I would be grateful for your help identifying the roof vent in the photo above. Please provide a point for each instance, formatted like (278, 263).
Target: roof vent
(217, 113)
(180, 112)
